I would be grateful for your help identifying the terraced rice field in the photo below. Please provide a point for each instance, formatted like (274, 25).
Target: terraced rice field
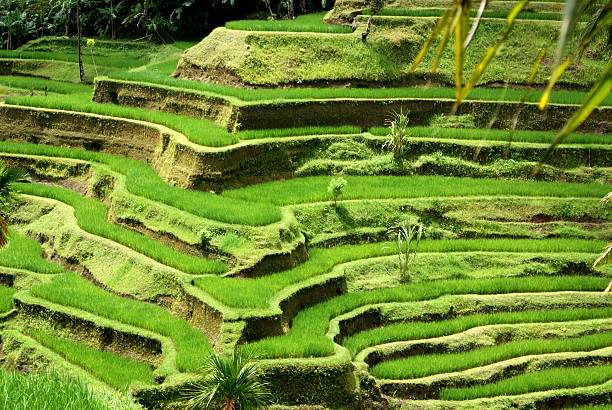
(169, 218)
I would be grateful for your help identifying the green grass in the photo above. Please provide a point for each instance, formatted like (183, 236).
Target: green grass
(198, 131)
(307, 336)
(296, 132)
(408, 331)
(256, 293)
(125, 62)
(430, 364)
(111, 368)
(305, 23)
(314, 189)
(141, 180)
(43, 391)
(25, 253)
(40, 84)
(6, 299)
(548, 379)
(69, 289)
(92, 216)
(313, 93)
(436, 12)
(543, 137)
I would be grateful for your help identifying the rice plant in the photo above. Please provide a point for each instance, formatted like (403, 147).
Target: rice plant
(548, 379)
(92, 216)
(6, 299)
(312, 23)
(192, 346)
(430, 364)
(42, 391)
(114, 370)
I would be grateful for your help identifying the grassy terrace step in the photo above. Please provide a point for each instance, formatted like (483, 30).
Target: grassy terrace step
(29, 391)
(437, 12)
(237, 95)
(92, 217)
(192, 346)
(198, 131)
(25, 253)
(549, 379)
(141, 180)
(411, 331)
(115, 370)
(6, 299)
(426, 365)
(312, 22)
(41, 84)
(314, 189)
(543, 137)
(308, 332)
(257, 293)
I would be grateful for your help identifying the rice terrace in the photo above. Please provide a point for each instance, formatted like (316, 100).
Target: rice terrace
(283, 204)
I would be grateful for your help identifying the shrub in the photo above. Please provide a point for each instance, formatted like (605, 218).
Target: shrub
(335, 187)
(398, 134)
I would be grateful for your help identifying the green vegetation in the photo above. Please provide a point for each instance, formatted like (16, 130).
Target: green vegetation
(543, 137)
(47, 391)
(314, 93)
(92, 217)
(115, 370)
(313, 189)
(305, 23)
(307, 336)
(141, 180)
(548, 379)
(41, 84)
(430, 364)
(296, 132)
(198, 131)
(256, 293)
(192, 347)
(6, 299)
(427, 12)
(25, 253)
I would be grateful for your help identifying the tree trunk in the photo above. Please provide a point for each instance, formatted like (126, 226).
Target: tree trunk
(290, 10)
(80, 41)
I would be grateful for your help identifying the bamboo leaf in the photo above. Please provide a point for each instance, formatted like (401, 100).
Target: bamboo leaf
(551, 83)
(493, 50)
(442, 23)
(600, 90)
(475, 23)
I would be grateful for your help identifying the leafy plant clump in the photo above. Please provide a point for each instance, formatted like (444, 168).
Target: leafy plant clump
(336, 188)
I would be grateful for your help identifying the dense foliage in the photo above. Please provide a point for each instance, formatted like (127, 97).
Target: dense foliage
(160, 20)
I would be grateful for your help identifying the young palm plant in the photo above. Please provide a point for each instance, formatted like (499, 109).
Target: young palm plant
(230, 382)
(408, 240)
(8, 177)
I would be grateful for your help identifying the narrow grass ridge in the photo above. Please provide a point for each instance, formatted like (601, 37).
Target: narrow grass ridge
(113, 369)
(427, 365)
(199, 131)
(548, 379)
(25, 253)
(312, 23)
(192, 346)
(314, 189)
(307, 337)
(92, 217)
(257, 293)
(141, 180)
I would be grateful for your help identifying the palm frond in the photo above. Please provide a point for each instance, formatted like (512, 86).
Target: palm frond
(605, 257)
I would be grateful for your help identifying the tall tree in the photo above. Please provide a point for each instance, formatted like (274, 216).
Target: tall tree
(290, 10)
(80, 41)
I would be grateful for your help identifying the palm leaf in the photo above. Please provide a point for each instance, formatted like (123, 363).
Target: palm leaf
(475, 23)
(605, 257)
(441, 24)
